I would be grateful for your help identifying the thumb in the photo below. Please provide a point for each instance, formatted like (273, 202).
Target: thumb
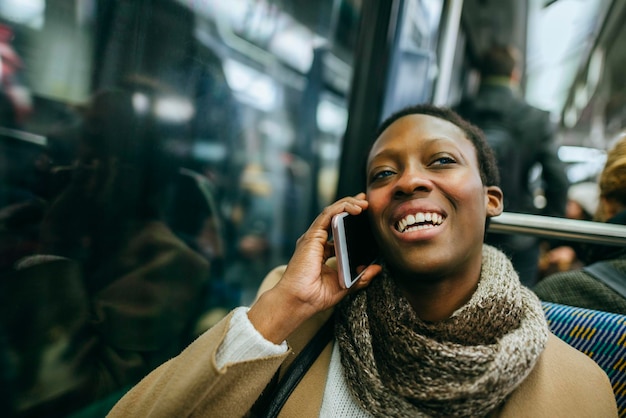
(369, 274)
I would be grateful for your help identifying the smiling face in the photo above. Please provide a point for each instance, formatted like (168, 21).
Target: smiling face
(427, 202)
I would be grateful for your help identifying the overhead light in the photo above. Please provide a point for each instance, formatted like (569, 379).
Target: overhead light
(251, 86)
(572, 154)
(141, 103)
(582, 162)
(578, 172)
(26, 12)
(173, 109)
(209, 151)
(331, 118)
(294, 45)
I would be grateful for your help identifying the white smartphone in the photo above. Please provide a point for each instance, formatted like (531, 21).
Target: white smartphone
(355, 245)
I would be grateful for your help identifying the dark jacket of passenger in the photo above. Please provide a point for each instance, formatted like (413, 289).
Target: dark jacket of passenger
(578, 288)
(534, 133)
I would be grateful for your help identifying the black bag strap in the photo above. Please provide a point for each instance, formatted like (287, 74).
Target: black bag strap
(609, 275)
(298, 368)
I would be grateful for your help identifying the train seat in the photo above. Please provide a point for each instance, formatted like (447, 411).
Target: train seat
(600, 335)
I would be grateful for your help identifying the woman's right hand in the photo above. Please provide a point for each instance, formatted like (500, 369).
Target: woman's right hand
(308, 285)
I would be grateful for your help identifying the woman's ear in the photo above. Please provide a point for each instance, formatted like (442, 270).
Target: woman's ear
(495, 201)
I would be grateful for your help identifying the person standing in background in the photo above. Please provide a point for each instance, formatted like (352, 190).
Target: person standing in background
(522, 137)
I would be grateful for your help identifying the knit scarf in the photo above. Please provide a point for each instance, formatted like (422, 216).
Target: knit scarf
(397, 365)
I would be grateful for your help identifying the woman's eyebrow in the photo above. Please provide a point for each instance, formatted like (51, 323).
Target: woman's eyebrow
(423, 143)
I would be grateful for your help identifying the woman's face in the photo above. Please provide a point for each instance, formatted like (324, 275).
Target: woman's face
(426, 198)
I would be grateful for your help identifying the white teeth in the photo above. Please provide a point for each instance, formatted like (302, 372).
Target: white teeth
(414, 222)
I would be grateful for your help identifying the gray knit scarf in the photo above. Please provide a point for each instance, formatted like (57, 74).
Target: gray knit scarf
(465, 366)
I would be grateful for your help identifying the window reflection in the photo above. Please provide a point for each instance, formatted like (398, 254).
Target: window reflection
(414, 66)
(156, 159)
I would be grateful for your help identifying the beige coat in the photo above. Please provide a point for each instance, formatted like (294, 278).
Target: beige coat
(564, 383)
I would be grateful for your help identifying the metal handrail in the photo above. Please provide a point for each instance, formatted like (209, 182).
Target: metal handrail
(553, 227)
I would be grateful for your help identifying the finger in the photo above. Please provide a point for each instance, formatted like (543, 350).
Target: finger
(369, 274)
(352, 205)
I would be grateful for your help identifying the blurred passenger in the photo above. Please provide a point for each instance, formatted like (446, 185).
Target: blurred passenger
(441, 327)
(583, 288)
(559, 255)
(112, 292)
(582, 201)
(522, 137)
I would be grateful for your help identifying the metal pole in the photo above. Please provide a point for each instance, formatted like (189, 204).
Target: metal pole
(367, 93)
(553, 227)
(448, 49)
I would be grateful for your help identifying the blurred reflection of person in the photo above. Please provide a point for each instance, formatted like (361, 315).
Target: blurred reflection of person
(112, 292)
(580, 287)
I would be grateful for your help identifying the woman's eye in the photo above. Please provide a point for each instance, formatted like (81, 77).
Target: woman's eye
(444, 160)
(381, 174)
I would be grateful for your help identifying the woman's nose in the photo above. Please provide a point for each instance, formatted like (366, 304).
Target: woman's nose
(412, 181)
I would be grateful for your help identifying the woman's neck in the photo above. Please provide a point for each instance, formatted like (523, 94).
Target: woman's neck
(436, 300)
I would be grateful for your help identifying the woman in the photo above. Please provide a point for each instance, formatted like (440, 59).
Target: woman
(441, 328)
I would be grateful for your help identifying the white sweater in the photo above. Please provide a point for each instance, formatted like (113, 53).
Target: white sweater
(243, 342)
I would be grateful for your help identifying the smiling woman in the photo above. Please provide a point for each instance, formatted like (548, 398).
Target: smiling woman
(442, 327)
(439, 174)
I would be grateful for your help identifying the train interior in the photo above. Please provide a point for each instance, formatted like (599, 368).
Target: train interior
(145, 141)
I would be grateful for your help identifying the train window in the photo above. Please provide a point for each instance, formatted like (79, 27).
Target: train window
(414, 66)
(557, 42)
(157, 158)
